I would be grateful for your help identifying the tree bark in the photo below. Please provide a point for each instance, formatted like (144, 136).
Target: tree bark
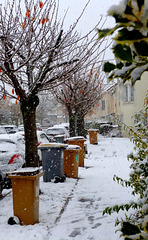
(71, 124)
(80, 126)
(28, 108)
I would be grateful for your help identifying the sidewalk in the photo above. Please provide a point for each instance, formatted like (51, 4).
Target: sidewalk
(73, 209)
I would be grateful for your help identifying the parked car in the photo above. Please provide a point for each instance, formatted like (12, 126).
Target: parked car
(42, 138)
(11, 158)
(18, 138)
(2, 130)
(56, 130)
(110, 130)
(66, 125)
(21, 127)
(10, 128)
(38, 127)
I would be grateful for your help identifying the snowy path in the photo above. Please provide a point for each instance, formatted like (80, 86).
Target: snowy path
(82, 219)
(73, 209)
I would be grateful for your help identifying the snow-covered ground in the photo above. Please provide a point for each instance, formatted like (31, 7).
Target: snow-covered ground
(73, 209)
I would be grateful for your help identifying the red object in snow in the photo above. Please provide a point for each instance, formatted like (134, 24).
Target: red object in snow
(16, 156)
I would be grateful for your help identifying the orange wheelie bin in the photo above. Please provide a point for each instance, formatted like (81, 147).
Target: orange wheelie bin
(93, 136)
(25, 188)
(80, 142)
(71, 161)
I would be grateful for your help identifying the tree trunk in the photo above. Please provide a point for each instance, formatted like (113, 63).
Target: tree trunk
(28, 108)
(71, 124)
(80, 126)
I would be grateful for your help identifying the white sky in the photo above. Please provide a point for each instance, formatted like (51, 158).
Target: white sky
(92, 14)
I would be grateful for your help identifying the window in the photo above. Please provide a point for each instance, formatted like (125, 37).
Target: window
(126, 94)
(132, 94)
(103, 104)
(129, 93)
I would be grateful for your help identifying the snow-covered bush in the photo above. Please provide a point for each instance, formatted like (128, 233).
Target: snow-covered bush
(136, 226)
(130, 40)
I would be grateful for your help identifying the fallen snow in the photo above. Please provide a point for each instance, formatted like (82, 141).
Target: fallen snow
(73, 209)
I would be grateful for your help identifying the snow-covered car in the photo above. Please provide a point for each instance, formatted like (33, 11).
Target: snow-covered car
(21, 127)
(66, 125)
(55, 131)
(10, 128)
(18, 138)
(2, 130)
(42, 138)
(38, 127)
(11, 158)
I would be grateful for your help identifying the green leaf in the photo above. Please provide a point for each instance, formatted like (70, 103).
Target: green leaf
(127, 207)
(128, 10)
(123, 52)
(140, 4)
(107, 31)
(129, 229)
(106, 210)
(104, 32)
(119, 18)
(141, 48)
(119, 65)
(116, 208)
(125, 35)
(108, 67)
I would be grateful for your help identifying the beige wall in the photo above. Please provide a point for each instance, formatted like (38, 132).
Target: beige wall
(128, 109)
(116, 102)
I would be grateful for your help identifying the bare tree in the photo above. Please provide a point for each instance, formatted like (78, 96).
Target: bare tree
(47, 105)
(79, 95)
(36, 54)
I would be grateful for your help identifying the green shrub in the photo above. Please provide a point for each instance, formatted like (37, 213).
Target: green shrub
(136, 226)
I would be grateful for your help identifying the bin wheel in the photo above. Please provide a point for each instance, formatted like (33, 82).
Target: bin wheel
(13, 220)
(58, 179)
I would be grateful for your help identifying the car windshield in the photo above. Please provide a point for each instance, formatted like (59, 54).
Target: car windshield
(55, 131)
(44, 138)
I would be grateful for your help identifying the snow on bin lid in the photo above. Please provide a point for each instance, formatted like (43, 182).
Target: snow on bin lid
(53, 145)
(75, 138)
(72, 147)
(28, 171)
(91, 129)
(59, 136)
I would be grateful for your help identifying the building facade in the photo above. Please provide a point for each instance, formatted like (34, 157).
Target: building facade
(122, 101)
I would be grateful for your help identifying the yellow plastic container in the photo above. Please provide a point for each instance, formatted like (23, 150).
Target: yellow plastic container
(71, 161)
(26, 196)
(80, 142)
(93, 136)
